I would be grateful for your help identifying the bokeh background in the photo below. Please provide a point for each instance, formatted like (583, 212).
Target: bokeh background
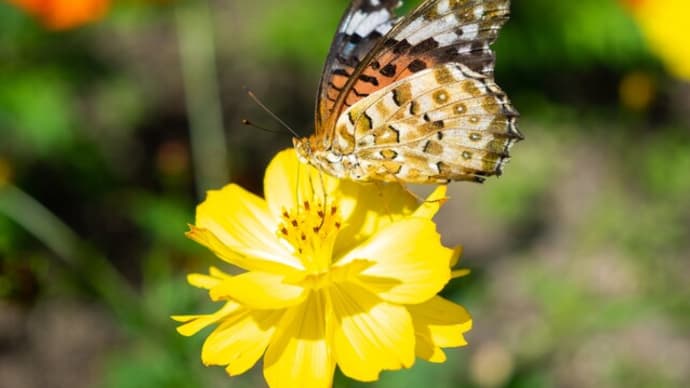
(116, 117)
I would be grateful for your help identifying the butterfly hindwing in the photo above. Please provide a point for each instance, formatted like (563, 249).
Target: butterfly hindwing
(440, 124)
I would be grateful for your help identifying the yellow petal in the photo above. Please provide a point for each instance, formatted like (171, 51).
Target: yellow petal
(458, 273)
(427, 350)
(259, 290)
(370, 335)
(217, 273)
(194, 323)
(371, 201)
(241, 256)
(439, 323)
(457, 251)
(300, 355)
(203, 281)
(241, 339)
(239, 219)
(410, 264)
(289, 183)
(368, 208)
(432, 203)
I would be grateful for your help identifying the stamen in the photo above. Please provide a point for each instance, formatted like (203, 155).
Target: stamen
(311, 231)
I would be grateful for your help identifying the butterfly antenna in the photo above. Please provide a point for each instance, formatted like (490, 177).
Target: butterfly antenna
(265, 108)
(251, 124)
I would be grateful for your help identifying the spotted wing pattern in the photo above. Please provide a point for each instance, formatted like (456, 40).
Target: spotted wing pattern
(443, 31)
(417, 104)
(441, 124)
(437, 31)
(361, 28)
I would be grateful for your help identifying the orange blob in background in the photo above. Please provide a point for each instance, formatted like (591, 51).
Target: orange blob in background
(64, 14)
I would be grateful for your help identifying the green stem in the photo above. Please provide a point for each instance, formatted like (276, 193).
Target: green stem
(197, 55)
(92, 268)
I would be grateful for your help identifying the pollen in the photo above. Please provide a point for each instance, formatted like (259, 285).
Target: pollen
(311, 229)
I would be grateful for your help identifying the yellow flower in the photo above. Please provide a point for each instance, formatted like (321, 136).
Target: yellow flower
(665, 26)
(335, 273)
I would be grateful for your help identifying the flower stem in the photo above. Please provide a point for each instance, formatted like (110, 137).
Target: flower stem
(92, 268)
(198, 61)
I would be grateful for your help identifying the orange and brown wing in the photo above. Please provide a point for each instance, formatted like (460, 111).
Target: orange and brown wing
(436, 32)
(361, 28)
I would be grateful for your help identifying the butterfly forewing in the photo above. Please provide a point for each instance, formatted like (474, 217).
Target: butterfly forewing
(437, 31)
(361, 28)
(445, 31)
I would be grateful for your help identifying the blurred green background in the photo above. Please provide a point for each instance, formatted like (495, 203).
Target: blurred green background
(111, 132)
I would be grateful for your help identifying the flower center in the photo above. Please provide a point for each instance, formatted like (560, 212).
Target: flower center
(311, 229)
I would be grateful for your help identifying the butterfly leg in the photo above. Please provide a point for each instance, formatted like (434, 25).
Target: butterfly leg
(412, 193)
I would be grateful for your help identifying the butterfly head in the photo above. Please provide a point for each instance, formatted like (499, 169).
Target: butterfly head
(311, 151)
(303, 147)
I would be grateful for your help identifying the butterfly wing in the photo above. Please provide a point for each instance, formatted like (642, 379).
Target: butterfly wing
(436, 32)
(440, 124)
(418, 104)
(362, 26)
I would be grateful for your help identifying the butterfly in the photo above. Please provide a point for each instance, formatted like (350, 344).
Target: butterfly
(413, 99)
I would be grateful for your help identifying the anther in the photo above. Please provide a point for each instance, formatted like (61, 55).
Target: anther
(284, 231)
(333, 210)
(294, 223)
(320, 213)
(303, 237)
(306, 205)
